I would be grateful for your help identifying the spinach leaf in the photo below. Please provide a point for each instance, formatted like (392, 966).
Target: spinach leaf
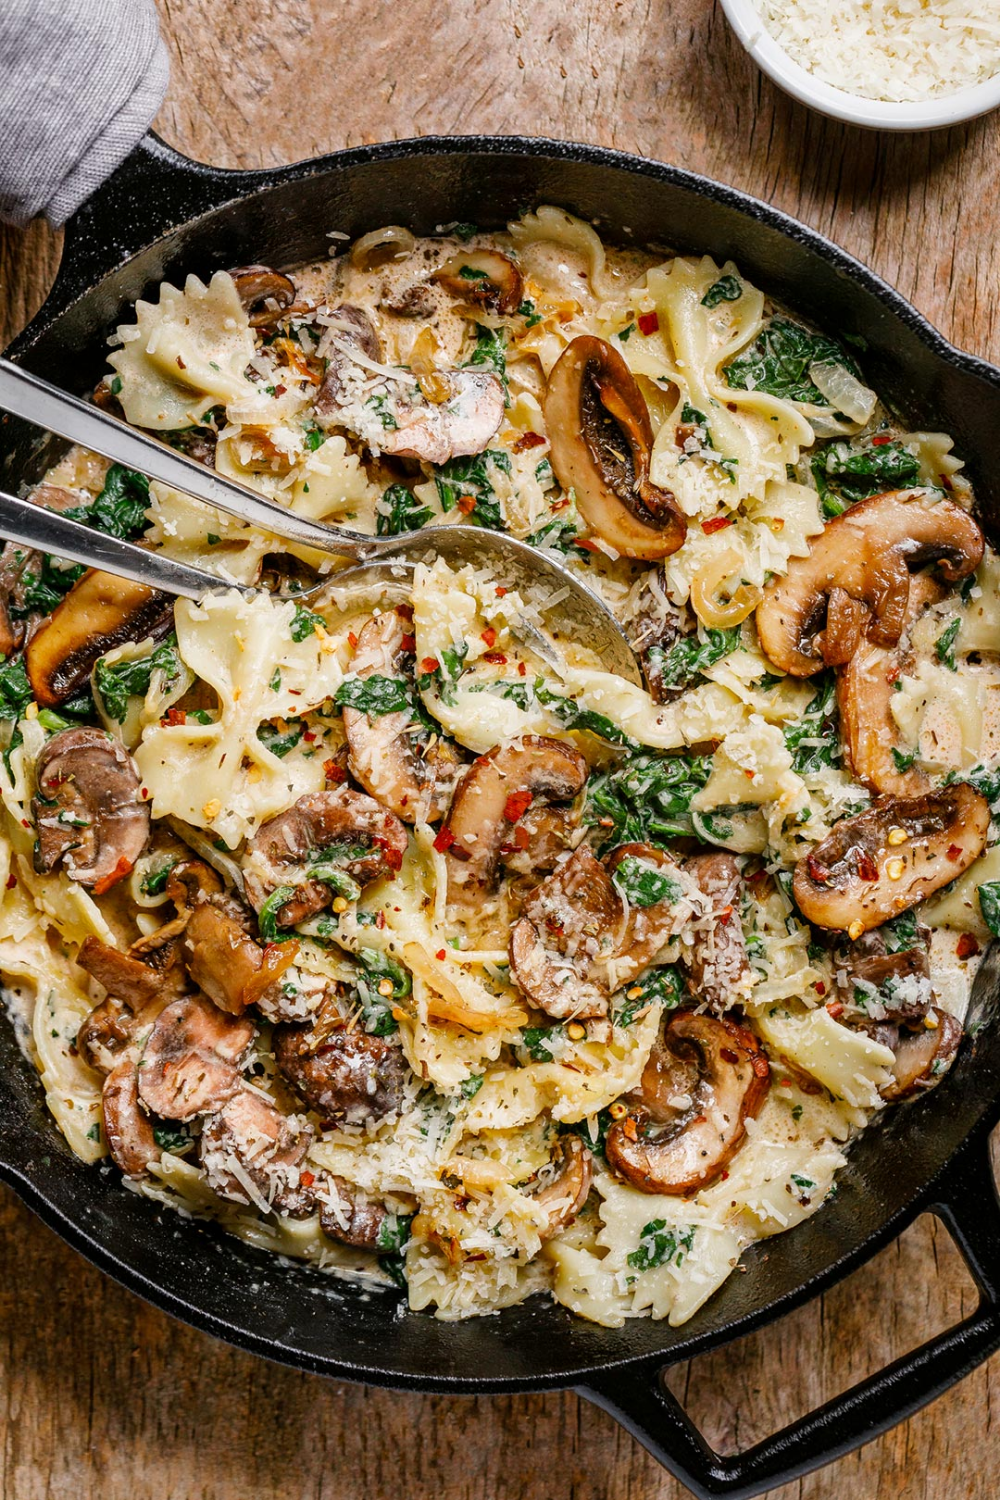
(594, 1142)
(154, 882)
(491, 350)
(985, 779)
(280, 741)
(778, 362)
(701, 444)
(382, 974)
(572, 716)
(645, 799)
(123, 680)
(536, 1039)
(903, 759)
(267, 917)
(659, 1246)
(944, 646)
(373, 695)
(815, 739)
(559, 533)
(444, 673)
(689, 657)
(726, 289)
(843, 474)
(398, 510)
(469, 1087)
(120, 508)
(643, 884)
(665, 984)
(174, 1138)
(15, 689)
(304, 622)
(45, 586)
(900, 933)
(989, 905)
(393, 1233)
(469, 478)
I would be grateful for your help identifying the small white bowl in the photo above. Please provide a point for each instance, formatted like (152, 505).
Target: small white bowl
(873, 114)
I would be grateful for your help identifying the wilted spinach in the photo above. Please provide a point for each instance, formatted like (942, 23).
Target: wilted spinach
(779, 359)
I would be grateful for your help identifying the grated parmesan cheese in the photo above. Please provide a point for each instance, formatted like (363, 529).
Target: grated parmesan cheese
(895, 50)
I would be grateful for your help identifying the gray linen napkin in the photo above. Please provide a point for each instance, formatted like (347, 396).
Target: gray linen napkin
(80, 81)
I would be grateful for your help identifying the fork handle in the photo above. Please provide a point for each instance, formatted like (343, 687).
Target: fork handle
(48, 531)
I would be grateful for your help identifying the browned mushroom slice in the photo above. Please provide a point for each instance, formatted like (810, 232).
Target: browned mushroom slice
(868, 974)
(656, 916)
(253, 1154)
(864, 557)
(352, 329)
(384, 753)
(123, 976)
(130, 1135)
(339, 832)
(559, 948)
(709, 1077)
(190, 1063)
(89, 814)
(462, 424)
(414, 301)
(601, 440)
(485, 278)
(266, 294)
(344, 1075)
(924, 1056)
(351, 1217)
(718, 966)
(490, 800)
(105, 1033)
(99, 613)
(563, 1187)
(222, 957)
(856, 879)
(865, 689)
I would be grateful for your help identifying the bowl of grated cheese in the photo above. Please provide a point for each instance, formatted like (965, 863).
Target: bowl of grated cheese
(881, 64)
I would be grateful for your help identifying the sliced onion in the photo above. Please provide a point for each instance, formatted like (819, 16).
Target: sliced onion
(844, 391)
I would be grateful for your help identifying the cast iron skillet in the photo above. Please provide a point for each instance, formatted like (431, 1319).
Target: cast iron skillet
(161, 215)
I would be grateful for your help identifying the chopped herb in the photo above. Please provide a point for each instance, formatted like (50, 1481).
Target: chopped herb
(726, 289)
(944, 646)
(626, 333)
(527, 311)
(120, 508)
(470, 273)
(470, 1086)
(380, 406)
(304, 623)
(796, 1112)
(398, 510)
(645, 799)
(691, 656)
(154, 882)
(94, 1133)
(123, 680)
(660, 1246)
(116, 385)
(212, 539)
(804, 1184)
(275, 683)
(903, 760)
(315, 436)
(643, 884)
(779, 359)
(843, 474)
(267, 917)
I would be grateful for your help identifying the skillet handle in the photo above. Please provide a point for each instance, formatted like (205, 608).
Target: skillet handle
(637, 1396)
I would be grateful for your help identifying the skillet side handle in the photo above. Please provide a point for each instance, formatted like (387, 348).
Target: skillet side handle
(640, 1400)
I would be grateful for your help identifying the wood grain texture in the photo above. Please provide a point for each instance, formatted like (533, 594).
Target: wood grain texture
(101, 1398)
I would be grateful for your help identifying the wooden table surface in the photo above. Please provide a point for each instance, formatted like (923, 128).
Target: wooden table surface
(102, 1398)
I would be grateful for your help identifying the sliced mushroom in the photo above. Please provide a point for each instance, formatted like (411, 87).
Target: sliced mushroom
(221, 956)
(99, 612)
(105, 1033)
(923, 1056)
(253, 1154)
(350, 1216)
(492, 796)
(865, 689)
(560, 947)
(266, 294)
(88, 810)
(863, 557)
(601, 440)
(352, 330)
(129, 1132)
(856, 879)
(718, 965)
(414, 301)
(651, 927)
(868, 974)
(462, 424)
(346, 1076)
(384, 752)
(563, 1192)
(656, 625)
(190, 1063)
(485, 278)
(704, 1080)
(340, 831)
(124, 977)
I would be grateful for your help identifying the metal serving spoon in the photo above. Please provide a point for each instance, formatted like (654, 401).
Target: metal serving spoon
(570, 609)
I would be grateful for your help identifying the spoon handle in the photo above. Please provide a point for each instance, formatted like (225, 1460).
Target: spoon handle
(47, 406)
(34, 527)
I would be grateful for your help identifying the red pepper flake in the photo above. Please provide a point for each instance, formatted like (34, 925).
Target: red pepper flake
(119, 872)
(586, 544)
(11, 882)
(648, 323)
(380, 920)
(954, 853)
(517, 805)
(404, 611)
(967, 946)
(439, 954)
(444, 840)
(352, 640)
(628, 1129)
(333, 772)
(521, 837)
(716, 523)
(429, 664)
(819, 987)
(867, 868)
(25, 823)
(495, 658)
(893, 674)
(488, 637)
(309, 736)
(834, 1010)
(466, 504)
(500, 591)
(528, 440)
(881, 440)
(307, 1179)
(522, 669)
(817, 872)
(279, 390)
(393, 858)
(408, 643)
(174, 716)
(724, 915)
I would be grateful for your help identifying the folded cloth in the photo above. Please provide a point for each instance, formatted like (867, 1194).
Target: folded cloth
(80, 80)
